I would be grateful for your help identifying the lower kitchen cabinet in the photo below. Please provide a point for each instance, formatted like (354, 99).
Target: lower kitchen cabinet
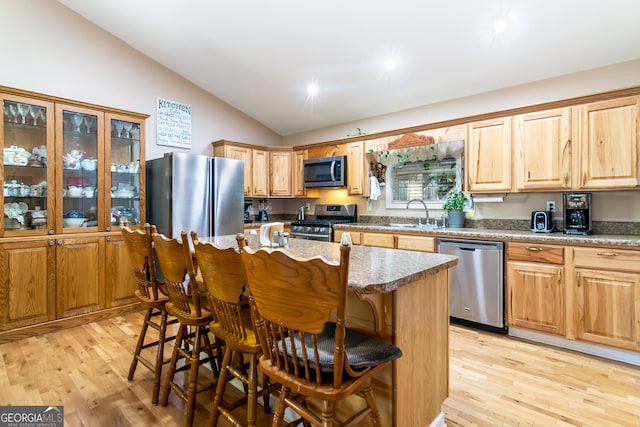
(27, 286)
(607, 297)
(43, 280)
(79, 275)
(120, 283)
(380, 240)
(356, 236)
(536, 287)
(416, 243)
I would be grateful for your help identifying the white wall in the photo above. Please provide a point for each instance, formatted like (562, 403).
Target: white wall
(49, 49)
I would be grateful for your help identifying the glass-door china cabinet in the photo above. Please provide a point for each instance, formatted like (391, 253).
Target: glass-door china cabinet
(80, 169)
(69, 169)
(71, 173)
(27, 131)
(124, 178)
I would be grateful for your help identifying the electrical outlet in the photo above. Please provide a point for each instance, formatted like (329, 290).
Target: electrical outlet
(551, 206)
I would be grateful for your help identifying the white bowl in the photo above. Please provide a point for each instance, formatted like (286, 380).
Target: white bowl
(73, 222)
(125, 194)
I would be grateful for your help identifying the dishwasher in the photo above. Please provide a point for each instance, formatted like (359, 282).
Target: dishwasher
(476, 283)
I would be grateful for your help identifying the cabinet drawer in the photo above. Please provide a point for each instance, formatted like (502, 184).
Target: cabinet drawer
(608, 259)
(416, 243)
(355, 236)
(532, 252)
(378, 239)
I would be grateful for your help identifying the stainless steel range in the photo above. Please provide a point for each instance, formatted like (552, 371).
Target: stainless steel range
(321, 228)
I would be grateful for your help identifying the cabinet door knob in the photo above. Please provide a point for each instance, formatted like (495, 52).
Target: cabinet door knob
(108, 228)
(52, 242)
(60, 242)
(108, 238)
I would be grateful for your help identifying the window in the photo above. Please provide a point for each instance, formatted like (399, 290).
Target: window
(426, 180)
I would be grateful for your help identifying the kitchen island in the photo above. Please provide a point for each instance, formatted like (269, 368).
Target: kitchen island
(403, 296)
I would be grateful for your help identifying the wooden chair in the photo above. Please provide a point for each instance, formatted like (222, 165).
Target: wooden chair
(138, 244)
(175, 262)
(223, 275)
(292, 300)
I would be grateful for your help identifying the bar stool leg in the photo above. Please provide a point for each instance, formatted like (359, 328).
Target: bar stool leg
(172, 366)
(193, 375)
(220, 388)
(252, 398)
(159, 356)
(141, 337)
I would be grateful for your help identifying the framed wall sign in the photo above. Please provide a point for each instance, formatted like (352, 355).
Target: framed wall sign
(173, 124)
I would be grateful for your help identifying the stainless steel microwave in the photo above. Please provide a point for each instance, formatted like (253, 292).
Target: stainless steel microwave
(325, 172)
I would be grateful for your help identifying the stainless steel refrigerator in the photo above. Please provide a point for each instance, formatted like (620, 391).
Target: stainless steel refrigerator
(194, 192)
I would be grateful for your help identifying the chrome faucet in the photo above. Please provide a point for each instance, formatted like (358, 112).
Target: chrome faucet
(426, 210)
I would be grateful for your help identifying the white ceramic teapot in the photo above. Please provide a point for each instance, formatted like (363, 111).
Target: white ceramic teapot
(71, 160)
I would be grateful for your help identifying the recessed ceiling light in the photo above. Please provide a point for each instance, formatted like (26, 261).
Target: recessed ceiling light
(391, 63)
(501, 26)
(312, 89)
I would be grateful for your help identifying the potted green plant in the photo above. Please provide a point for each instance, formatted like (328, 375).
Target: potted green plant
(454, 207)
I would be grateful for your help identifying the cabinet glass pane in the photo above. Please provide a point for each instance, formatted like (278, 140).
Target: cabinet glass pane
(125, 172)
(80, 168)
(25, 165)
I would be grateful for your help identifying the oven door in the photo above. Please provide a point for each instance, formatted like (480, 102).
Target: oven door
(310, 236)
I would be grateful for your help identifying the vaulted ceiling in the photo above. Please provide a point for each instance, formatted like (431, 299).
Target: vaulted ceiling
(261, 55)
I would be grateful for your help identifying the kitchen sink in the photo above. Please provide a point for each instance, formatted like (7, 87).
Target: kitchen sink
(399, 225)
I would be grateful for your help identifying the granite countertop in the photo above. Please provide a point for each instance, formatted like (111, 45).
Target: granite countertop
(630, 241)
(371, 270)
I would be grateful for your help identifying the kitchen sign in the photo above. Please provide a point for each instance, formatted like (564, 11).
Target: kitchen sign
(173, 124)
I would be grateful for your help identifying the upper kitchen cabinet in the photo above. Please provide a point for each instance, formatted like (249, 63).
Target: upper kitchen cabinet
(79, 163)
(357, 176)
(256, 163)
(230, 151)
(281, 172)
(609, 144)
(124, 179)
(27, 132)
(299, 156)
(489, 156)
(542, 149)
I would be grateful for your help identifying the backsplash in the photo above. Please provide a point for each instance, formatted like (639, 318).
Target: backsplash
(599, 227)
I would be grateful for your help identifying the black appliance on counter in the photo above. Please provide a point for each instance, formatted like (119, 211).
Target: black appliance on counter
(577, 213)
(248, 205)
(321, 228)
(541, 222)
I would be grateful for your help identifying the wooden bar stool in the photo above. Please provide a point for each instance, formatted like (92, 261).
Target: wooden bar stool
(292, 300)
(223, 275)
(175, 262)
(138, 244)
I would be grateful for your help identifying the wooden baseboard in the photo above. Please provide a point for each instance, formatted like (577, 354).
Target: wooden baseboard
(70, 322)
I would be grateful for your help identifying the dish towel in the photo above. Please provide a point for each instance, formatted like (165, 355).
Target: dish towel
(375, 188)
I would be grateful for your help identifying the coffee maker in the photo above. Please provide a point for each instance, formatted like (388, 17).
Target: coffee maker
(577, 213)
(263, 207)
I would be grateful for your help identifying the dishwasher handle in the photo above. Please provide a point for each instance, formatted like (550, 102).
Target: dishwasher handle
(471, 245)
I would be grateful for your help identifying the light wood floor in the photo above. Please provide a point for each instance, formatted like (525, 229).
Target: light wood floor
(495, 381)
